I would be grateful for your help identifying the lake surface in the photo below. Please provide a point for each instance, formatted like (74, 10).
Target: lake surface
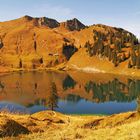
(77, 93)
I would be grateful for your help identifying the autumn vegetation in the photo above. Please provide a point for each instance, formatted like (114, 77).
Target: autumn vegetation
(31, 43)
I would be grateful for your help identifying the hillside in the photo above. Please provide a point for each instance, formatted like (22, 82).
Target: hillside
(50, 125)
(40, 43)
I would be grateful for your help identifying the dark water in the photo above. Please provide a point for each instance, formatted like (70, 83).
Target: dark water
(75, 93)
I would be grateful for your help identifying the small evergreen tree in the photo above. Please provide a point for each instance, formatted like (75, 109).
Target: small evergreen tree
(87, 45)
(129, 64)
(20, 63)
(133, 57)
(1, 44)
(110, 54)
(115, 60)
(123, 57)
(35, 45)
(138, 61)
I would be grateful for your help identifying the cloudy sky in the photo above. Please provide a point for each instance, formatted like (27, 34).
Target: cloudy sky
(119, 13)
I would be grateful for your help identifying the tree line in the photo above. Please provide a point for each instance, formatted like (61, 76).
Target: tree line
(110, 46)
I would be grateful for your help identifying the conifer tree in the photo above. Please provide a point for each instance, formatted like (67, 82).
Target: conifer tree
(20, 63)
(138, 61)
(133, 57)
(35, 45)
(129, 64)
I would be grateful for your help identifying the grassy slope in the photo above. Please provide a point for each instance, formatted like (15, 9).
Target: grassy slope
(56, 126)
(81, 61)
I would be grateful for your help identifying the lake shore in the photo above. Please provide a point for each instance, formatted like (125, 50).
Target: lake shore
(50, 125)
(131, 73)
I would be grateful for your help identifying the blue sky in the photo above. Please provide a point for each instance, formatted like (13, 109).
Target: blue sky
(120, 13)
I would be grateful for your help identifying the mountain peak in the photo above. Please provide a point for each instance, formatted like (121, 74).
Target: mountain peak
(26, 17)
(74, 24)
(42, 21)
(52, 23)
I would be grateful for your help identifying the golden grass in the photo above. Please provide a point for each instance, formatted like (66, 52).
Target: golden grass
(48, 125)
(95, 64)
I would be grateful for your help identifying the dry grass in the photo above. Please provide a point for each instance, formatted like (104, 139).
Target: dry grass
(95, 64)
(49, 125)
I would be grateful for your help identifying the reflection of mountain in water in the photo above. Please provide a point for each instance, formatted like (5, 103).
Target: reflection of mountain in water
(102, 92)
(76, 93)
(6, 106)
(68, 83)
(69, 98)
(73, 98)
(114, 90)
(12, 107)
(34, 88)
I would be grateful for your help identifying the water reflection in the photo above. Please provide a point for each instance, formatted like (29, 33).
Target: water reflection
(114, 90)
(52, 99)
(70, 94)
(68, 83)
(2, 88)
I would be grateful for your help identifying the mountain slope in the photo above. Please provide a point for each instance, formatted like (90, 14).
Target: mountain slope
(30, 43)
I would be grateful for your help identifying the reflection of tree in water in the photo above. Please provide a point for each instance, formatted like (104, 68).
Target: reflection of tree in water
(73, 98)
(2, 88)
(30, 105)
(52, 99)
(19, 87)
(68, 83)
(37, 102)
(35, 88)
(114, 90)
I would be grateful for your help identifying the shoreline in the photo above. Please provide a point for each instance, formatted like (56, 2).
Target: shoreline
(134, 74)
(91, 70)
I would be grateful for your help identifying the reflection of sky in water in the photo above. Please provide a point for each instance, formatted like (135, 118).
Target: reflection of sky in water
(16, 108)
(12, 107)
(68, 107)
(86, 107)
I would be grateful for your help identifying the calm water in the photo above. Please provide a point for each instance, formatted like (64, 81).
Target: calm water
(77, 93)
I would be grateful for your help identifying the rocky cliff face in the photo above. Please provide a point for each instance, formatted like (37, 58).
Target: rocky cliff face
(51, 23)
(73, 24)
(42, 21)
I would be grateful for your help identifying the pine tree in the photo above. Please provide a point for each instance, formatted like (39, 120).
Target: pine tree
(106, 51)
(123, 57)
(122, 41)
(138, 61)
(115, 59)
(35, 45)
(110, 54)
(87, 45)
(20, 63)
(133, 57)
(129, 64)
(119, 47)
(111, 40)
(1, 43)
